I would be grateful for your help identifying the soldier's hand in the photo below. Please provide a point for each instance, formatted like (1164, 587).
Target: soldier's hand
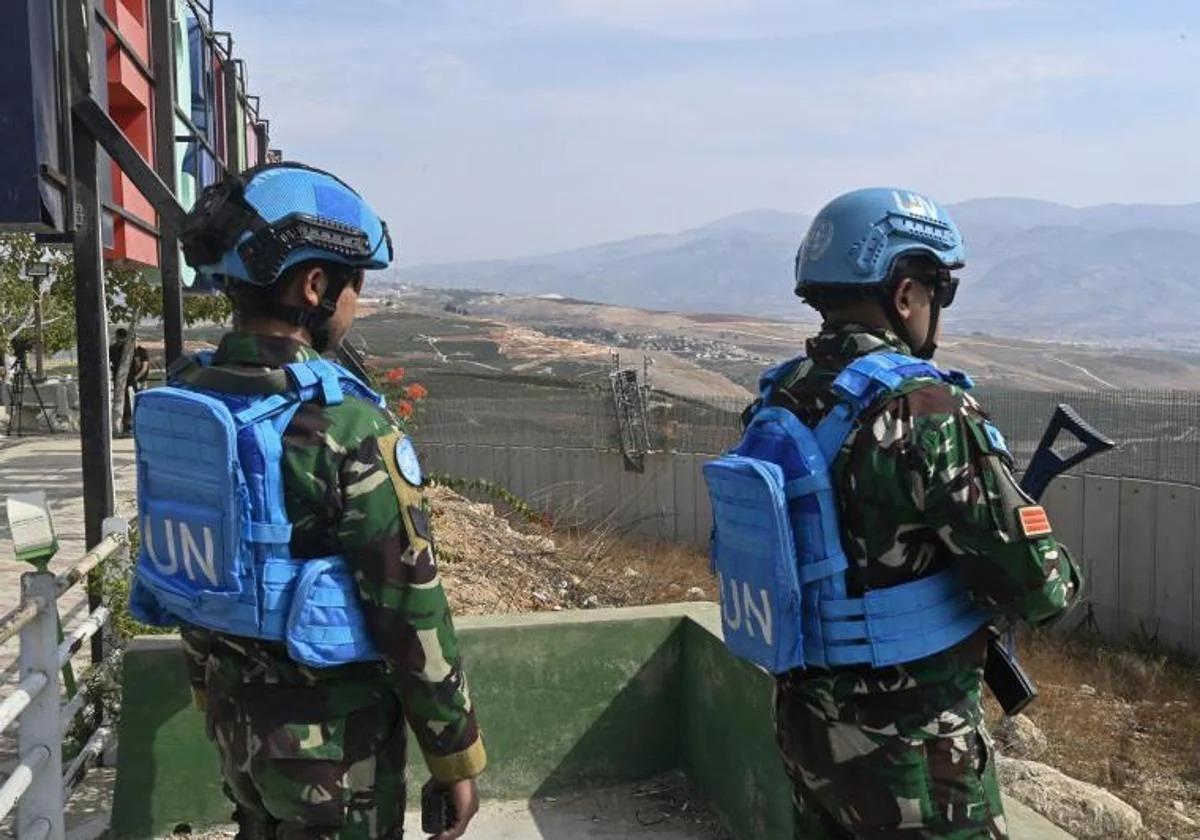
(465, 796)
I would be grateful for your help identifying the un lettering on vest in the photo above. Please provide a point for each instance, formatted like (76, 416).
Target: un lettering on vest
(743, 605)
(179, 546)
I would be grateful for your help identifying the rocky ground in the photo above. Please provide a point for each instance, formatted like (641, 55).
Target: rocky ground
(497, 564)
(1127, 721)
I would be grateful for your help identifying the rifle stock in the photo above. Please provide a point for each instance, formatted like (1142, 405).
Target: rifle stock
(1009, 683)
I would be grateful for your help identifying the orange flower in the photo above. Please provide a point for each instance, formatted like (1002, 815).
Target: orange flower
(404, 408)
(416, 392)
(395, 374)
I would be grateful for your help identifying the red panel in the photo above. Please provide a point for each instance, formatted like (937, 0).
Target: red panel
(130, 99)
(137, 8)
(130, 18)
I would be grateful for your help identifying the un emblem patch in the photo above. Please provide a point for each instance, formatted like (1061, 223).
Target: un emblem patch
(816, 243)
(407, 463)
(996, 439)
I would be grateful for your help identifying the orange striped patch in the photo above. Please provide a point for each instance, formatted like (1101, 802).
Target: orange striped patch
(1034, 521)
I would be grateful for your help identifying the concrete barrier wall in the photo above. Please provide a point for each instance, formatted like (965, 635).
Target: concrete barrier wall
(1137, 540)
(568, 701)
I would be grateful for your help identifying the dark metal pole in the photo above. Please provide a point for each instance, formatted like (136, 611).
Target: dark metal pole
(164, 158)
(233, 153)
(38, 337)
(125, 155)
(91, 313)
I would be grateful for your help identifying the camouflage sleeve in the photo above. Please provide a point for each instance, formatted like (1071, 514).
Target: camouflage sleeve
(1009, 557)
(385, 535)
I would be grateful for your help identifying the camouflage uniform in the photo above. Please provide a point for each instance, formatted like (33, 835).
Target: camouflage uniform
(320, 752)
(902, 751)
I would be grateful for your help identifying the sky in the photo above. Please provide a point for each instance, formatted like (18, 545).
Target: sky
(497, 128)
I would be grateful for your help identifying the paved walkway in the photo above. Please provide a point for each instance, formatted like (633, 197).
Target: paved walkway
(52, 464)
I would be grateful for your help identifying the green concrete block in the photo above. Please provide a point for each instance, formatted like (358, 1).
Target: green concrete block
(168, 773)
(729, 749)
(570, 700)
(566, 700)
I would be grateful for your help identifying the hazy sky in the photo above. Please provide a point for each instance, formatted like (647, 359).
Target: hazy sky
(489, 128)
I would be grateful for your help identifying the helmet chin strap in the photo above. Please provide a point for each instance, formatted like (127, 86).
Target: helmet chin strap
(929, 346)
(316, 320)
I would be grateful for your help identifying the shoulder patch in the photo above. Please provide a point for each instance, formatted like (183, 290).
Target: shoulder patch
(1034, 522)
(407, 462)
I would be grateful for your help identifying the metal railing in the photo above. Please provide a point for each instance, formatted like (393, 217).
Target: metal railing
(39, 787)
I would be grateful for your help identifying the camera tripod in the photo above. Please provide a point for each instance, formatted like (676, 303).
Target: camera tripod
(16, 401)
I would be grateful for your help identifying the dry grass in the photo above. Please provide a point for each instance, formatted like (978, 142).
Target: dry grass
(1138, 734)
(620, 570)
(494, 559)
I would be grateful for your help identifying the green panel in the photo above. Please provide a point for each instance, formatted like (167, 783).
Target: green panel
(729, 738)
(167, 770)
(566, 700)
(569, 704)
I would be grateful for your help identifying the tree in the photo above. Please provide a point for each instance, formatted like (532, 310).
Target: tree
(131, 297)
(18, 293)
(130, 293)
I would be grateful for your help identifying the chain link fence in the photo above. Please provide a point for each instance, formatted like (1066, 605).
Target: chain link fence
(1157, 432)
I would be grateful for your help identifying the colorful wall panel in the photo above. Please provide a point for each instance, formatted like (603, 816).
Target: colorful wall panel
(130, 99)
(35, 142)
(29, 119)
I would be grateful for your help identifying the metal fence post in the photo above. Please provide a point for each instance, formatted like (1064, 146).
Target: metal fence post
(111, 525)
(41, 723)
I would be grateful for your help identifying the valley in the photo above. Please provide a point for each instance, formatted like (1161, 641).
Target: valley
(548, 341)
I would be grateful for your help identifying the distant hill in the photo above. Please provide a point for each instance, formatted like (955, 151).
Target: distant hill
(1111, 273)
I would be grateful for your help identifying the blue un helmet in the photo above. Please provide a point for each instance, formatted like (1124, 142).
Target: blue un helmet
(251, 228)
(859, 240)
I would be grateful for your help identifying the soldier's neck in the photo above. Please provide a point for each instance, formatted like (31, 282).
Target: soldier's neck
(276, 328)
(866, 313)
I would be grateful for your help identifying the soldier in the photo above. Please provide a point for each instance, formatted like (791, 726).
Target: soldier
(923, 485)
(314, 635)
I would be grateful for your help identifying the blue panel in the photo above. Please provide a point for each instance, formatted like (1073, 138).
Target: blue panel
(29, 124)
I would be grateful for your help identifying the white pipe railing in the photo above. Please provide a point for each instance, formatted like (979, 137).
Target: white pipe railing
(21, 697)
(38, 787)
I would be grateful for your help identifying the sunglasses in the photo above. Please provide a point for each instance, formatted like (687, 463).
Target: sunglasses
(943, 286)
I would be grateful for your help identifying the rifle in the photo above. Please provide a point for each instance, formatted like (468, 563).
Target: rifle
(1002, 672)
(352, 359)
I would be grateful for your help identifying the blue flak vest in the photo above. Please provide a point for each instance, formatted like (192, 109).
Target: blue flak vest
(215, 536)
(776, 543)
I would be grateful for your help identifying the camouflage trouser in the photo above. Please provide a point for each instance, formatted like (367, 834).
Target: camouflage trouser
(851, 780)
(323, 761)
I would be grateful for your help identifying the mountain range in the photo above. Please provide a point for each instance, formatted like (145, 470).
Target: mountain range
(1113, 273)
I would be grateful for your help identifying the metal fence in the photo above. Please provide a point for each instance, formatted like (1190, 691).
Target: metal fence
(1137, 540)
(1157, 432)
(39, 786)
